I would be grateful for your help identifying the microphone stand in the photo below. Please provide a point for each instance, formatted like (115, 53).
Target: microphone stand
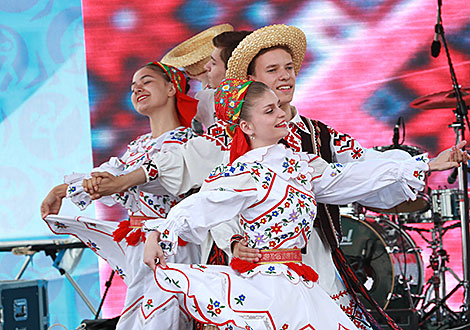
(459, 128)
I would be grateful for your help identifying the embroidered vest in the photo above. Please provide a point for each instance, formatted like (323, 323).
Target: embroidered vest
(318, 142)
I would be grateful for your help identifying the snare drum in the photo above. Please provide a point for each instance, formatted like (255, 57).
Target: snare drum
(446, 203)
(381, 253)
(422, 202)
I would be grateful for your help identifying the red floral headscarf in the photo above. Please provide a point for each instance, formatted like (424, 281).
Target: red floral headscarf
(229, 99)
(185, 105)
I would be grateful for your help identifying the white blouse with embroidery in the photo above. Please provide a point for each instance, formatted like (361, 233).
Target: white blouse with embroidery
(275, 190)
(154, 204)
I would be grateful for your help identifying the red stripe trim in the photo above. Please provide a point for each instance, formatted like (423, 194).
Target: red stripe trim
(175, 141)
(277, 205)
(211, 179)
(314, 158)
(316, 177)
(267, 193)
(158, 215)
(250, 189)
(243, 311)
(75, 235)
(132, 305)
(156, 308)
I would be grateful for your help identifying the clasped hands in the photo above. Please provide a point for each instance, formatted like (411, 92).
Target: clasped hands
(102, 184)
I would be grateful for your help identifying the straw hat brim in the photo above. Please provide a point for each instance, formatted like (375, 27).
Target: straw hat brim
(195, 49)
(269, 36)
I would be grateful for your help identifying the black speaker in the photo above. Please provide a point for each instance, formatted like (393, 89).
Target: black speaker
(23, 305)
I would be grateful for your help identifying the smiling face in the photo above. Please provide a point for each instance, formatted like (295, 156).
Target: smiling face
(150, 91)
(275, 68)
(264, 119)
(215, 69)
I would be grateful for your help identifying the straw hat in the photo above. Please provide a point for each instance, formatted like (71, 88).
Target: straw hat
(266, 37)
(194, 53)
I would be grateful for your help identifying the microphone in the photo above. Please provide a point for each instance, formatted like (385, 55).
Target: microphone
(436, 44)
(453, 176)
(396, 132)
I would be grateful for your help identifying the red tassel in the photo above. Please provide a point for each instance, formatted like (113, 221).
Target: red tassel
(186, 107)
(135, 237)
(303, 270)
(181, 242)
(242, 265)
(122, 230)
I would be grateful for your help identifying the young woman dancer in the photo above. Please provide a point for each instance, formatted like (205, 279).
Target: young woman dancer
(274, 190)
(158, 92)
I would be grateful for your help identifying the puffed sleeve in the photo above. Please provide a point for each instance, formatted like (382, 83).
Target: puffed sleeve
(115, 166)
(217, 202)
(183, 168)
(375, 182)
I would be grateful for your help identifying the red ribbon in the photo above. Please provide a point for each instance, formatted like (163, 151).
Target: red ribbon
(239, 146)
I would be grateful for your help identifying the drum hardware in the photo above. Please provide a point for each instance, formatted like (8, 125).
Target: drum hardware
(405, 282)
(446, 203)
(455, 99)
(435, 288)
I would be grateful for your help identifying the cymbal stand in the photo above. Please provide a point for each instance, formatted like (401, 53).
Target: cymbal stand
(437, 283)
(459, 128)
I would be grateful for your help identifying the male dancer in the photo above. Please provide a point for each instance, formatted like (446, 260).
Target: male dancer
(273, 55)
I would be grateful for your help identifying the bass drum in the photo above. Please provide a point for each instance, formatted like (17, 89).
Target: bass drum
(382, 255)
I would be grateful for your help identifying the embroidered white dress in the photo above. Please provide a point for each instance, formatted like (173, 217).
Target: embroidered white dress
(274, 190)
(126, 260)
(186, 167)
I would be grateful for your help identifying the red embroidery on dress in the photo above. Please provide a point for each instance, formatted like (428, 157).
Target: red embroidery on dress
(293, 138)
(357, 153)
(308, 326)
(353, 313)
(343, 142)
(339, 295)
(217, 134)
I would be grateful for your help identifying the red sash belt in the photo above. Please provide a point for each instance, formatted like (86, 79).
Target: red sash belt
(131, 231)
(292, 258)
(280, 256)
(136, 220)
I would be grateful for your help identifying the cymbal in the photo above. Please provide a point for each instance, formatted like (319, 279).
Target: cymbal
(441, 100)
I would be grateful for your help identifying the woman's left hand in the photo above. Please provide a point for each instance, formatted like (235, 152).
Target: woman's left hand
(450, 158)
(153, 253)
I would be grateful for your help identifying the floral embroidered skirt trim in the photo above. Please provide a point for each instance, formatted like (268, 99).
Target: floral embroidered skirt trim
(220, 296)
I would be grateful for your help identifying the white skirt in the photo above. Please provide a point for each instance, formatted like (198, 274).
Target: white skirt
(220, 296)
(126, 260)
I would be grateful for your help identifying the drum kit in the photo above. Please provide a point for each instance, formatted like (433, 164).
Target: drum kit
(378, 244)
